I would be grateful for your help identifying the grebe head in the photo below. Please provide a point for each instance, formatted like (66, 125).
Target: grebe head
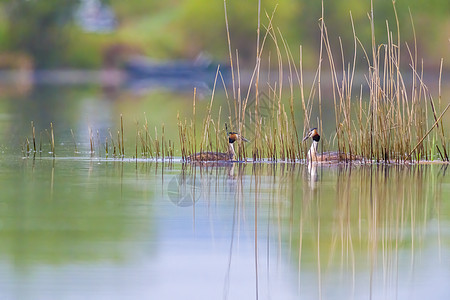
(312, 133)
(234, 136)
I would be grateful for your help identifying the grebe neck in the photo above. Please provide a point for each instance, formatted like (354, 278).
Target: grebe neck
(231, 151)
(312, 153)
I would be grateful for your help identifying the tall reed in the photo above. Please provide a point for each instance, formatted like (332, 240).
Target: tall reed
(390, 123)
(383, 119)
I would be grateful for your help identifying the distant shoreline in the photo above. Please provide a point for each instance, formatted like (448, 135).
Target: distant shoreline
(116, 77)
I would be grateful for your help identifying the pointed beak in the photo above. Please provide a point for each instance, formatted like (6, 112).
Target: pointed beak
(244, 139)
(305, 138)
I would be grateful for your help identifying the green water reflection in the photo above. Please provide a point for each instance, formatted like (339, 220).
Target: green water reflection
(272, 230)
(67, 211)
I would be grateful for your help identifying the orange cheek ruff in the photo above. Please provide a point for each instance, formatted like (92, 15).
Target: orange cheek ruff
(232, 137)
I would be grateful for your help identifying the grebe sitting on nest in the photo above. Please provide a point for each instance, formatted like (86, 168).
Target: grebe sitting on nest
(230, 155)
(326, 157)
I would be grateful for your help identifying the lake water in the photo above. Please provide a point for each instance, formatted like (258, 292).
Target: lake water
(81, 226)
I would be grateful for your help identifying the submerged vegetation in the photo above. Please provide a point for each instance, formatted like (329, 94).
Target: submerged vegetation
(389, 116)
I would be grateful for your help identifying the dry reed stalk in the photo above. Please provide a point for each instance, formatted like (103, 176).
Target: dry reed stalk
(156, 144)
(119, 146)
(40, 142)
(148, 140)
(182, 138)
(121, 130)
(74, 141)
(229, 48)
(150, 146)
(295, 151)
(319, 68)
(162, 142)
(106, 147)
(217, 130)
(27, 143)
(91, 140)
(146, 136)
(52, 139)
(113, 144)
(98, 143)
(194, 133)
(33, 134)
(144, 147)
(137, 137)
(206, 122)
(428, 132)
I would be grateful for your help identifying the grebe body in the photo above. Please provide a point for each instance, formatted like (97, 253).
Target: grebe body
(230, 155)
(326, 157)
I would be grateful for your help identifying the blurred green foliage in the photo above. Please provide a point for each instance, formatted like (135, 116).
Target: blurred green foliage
(184, 28)
(36, 28)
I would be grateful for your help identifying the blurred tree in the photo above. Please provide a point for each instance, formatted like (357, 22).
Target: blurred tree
(204, 24)
(204, 27)
(37, 28)
(185, 28)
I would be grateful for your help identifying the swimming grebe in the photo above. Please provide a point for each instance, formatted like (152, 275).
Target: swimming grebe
(230, 155)
(325, 157)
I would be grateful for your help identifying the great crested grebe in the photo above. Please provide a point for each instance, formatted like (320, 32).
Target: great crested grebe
(230, 155)
(325, 157)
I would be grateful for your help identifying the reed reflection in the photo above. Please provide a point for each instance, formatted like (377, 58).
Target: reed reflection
(202, 181)
(354, 230)
(360, 224)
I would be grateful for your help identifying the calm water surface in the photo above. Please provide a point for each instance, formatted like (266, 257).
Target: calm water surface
(110, 229)
(82, 227)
